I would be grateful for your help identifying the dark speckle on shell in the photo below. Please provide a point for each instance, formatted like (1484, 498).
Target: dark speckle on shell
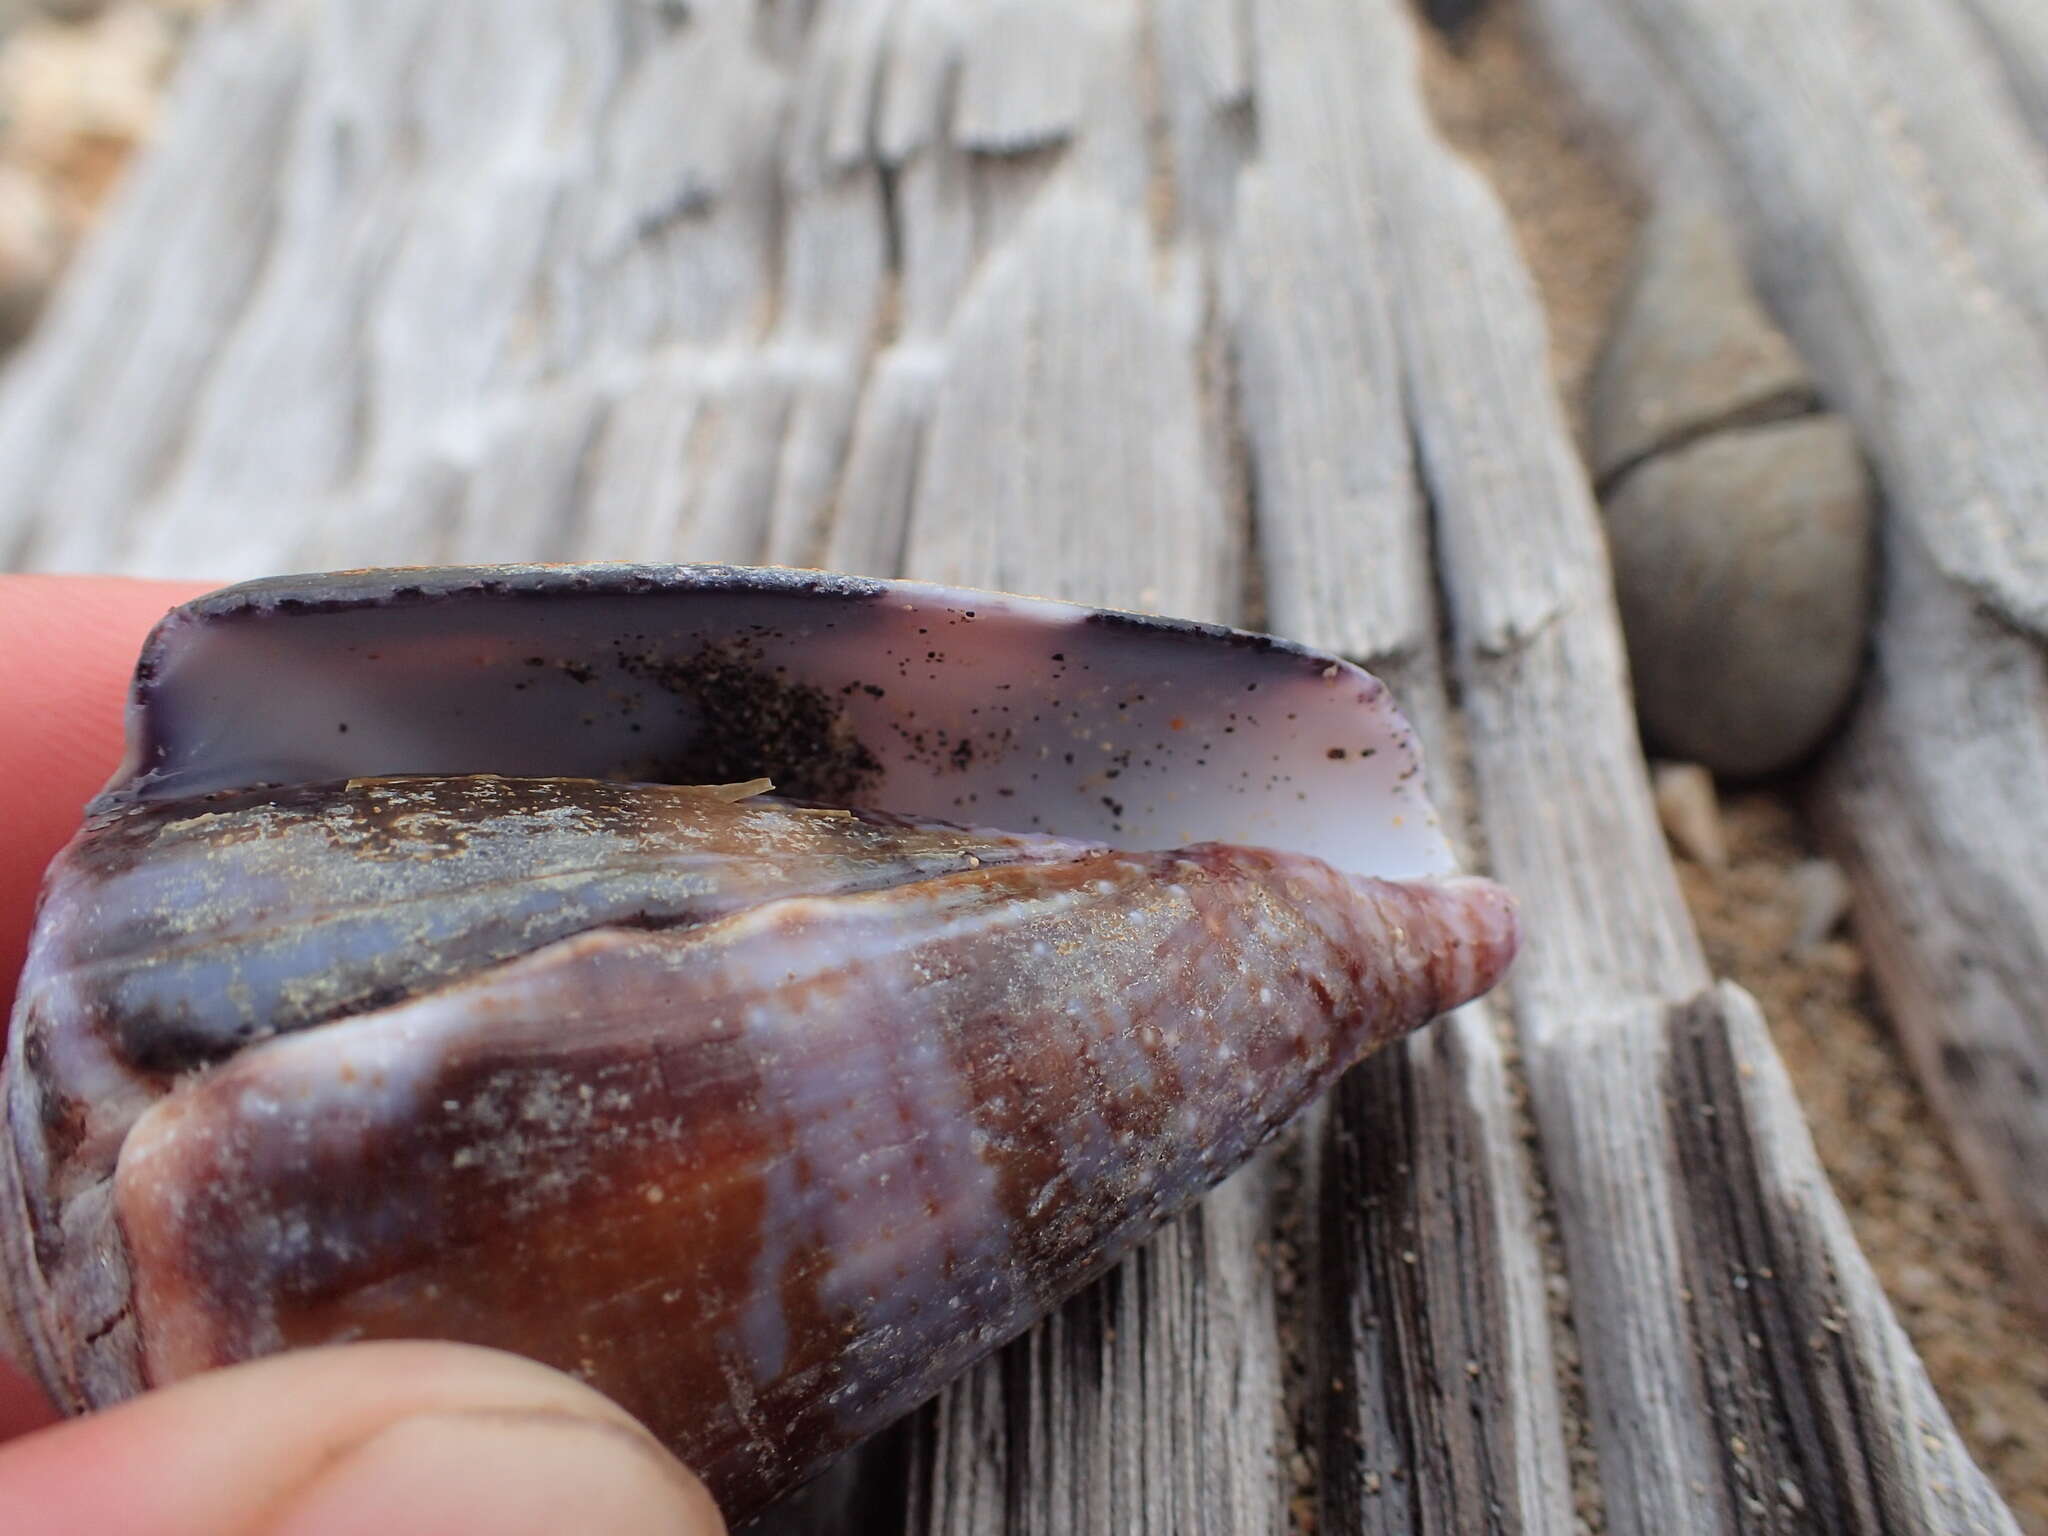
(751, 715)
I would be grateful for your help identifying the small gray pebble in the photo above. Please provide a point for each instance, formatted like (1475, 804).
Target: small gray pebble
(1743, 566)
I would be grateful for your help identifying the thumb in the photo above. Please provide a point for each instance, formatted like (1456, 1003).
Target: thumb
(362, 1440)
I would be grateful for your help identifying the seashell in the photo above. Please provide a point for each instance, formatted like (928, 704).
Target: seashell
(436, 966)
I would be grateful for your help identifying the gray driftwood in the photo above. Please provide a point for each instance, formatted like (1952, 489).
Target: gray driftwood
(1888, 160)
(1180, 306)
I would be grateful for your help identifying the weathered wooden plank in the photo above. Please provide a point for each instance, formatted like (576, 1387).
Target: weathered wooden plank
(100, 399)
(1869, 156)
(2018, 31)
(1432, 1398)
(1150, 1402)
(299, 344)
(1179, 305)
(1065, 448)
(880, 482)
(1852, 1437)
(835, 273)
(932, 233)
(638, 472)
(1023, 75)
(1562, 794)
(1537, 654)
(1428, 1272)
(1872, 148)
(1203, 57)
(923, 50)
(1340, 527)
(406, 516)
(527, 490)
(1524, 574)
(1925, 804)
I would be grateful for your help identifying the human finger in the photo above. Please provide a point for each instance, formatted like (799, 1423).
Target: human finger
(23, 1406)
(358, 1440)
(67, 649)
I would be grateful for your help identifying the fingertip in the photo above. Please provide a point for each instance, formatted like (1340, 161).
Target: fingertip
(429, 1439)
(68, 646)
(506, 1473)
(23, 1406)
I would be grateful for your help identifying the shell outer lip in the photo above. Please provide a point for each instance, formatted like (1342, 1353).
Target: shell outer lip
(406, 586)
(174, 752)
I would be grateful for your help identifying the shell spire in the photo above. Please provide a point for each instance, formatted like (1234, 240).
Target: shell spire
(765, 1117)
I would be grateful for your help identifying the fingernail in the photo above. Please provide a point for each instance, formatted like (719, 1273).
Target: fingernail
(505, 1474)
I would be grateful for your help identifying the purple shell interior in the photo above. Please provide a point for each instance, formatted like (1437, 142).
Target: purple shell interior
(1010, 712)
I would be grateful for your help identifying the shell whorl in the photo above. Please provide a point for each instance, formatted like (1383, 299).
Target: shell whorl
(765, 1117)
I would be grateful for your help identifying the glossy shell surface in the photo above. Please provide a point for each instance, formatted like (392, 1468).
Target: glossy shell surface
(416, 978)
(971, 707)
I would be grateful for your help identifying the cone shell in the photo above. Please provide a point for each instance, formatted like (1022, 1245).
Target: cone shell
(388, 992)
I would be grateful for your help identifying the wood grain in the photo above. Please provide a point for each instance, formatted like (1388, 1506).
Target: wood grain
(1180, 305)
(2018, 34)
(1895, 201)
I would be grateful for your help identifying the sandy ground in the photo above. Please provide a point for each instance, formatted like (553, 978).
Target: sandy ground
(75, 100)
